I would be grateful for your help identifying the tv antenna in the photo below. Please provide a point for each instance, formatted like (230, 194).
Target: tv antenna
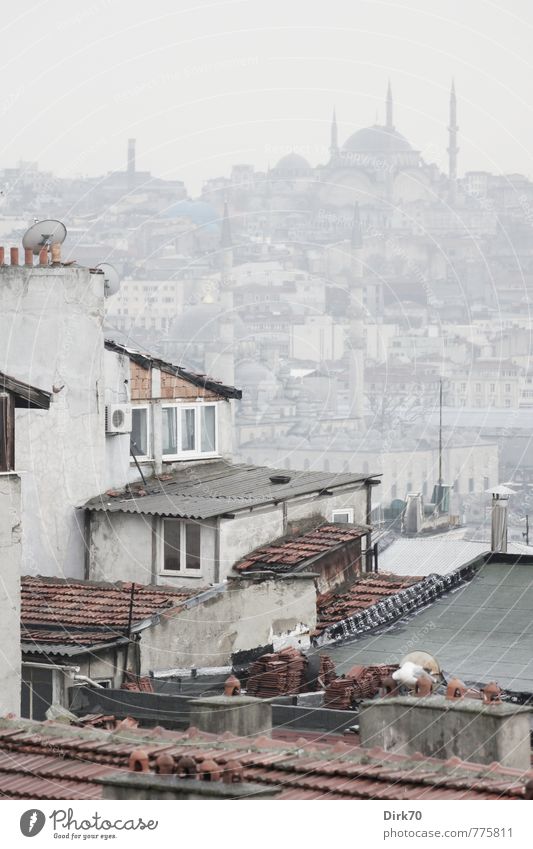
(44, 234)
(111, 278)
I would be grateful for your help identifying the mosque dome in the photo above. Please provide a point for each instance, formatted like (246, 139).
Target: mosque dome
(377, 141)
(293, 163)
(200, 324)
(253, 373)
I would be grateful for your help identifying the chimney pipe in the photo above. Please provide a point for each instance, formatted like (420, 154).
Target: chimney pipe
(2, 256)
(14, 256)
(498, 537)
(28, 257)
(56, 253)
(43, 256)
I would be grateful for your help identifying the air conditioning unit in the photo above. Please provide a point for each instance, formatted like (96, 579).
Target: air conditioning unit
(118, 418)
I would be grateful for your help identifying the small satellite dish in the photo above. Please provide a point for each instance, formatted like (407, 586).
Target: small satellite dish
(424, 659)
(42, 234)
(111, 278)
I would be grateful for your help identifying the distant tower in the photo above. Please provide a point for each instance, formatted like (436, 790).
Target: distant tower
(453, 150)
(222, 360)
(334, 141)
(131, 162)
(356, 341)
(388, 109)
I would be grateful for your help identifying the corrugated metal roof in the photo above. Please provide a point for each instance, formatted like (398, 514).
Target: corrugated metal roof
(481, 632)
(206, 490)
(440, 554)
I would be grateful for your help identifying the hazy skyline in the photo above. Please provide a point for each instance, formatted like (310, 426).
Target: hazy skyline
(208, 85)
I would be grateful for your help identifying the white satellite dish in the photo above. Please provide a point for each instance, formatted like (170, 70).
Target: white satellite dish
(111, 278)
(43, 234)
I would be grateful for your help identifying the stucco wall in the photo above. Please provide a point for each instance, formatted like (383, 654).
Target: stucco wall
(247, 531)
(51, 336)
(10, 560)
(241, 616)
(121, 548)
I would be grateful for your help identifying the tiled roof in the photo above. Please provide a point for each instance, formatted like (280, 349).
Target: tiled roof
(334, 607)
(67, 612)
(292, 552)
(216, 488)
(50, 761)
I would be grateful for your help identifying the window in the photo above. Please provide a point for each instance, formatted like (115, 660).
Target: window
(37, 692)
(181, 546)
(189, 431)
(342, 517)
(140, 432)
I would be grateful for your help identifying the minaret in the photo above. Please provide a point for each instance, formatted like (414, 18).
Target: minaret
(388, 109)
(223, 357)
(453, 150)
(356, 342)
(334, 141)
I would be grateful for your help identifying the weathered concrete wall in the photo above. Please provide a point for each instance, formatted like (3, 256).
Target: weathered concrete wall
(121, 548)
(439, 728)
(243, 716)
(238, 616)
(117, 446)
(355, 500)
(247, 531)
(51, 337)
(10, 562)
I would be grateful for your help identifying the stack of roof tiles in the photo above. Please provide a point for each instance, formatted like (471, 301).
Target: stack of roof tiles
(361, 682)
(277, 674)
(50, 761)
(334, 607)
(327, 670)
(292, 552)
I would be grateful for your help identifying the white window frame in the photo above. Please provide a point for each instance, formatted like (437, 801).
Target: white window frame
(196, 453)
(347, 511)
(187, 571)
(147, 407)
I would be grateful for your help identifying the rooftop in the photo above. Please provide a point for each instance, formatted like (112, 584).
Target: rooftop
(54, 761)
(481, 631)
(60, 613)
(295, 552)
(219, 488)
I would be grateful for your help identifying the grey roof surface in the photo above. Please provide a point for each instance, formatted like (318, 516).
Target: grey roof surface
(206, 490)
(439, 554)
(481, 632)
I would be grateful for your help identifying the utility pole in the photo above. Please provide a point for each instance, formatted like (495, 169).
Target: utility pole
(525, 533)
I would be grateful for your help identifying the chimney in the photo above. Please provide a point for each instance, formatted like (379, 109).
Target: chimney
(478, 730)
(498, 536)
(244, 716)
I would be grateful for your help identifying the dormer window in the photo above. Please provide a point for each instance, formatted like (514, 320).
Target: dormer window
(189, 431)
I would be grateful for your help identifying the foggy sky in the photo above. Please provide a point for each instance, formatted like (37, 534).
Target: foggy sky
(204, 85)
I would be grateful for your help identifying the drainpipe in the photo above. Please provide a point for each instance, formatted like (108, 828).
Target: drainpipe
(368, 552)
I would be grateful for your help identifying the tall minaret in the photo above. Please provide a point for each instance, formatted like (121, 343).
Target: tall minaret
(388, 109)
(220, 356)
(334, 141)
(356, 341)
(453, 150)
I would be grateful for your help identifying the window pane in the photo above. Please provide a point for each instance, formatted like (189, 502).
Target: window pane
(139, 432)
(192, 531)
(208, 429)
(188, 435)
(170, 436)
(172, 545)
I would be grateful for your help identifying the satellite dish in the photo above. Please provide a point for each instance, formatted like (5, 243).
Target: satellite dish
(424, 659)
(42, 234)
(111, 278)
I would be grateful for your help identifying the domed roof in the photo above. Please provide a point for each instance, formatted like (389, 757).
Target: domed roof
(252, 373)
(197, 211)
(293, 162)
(376, 140)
